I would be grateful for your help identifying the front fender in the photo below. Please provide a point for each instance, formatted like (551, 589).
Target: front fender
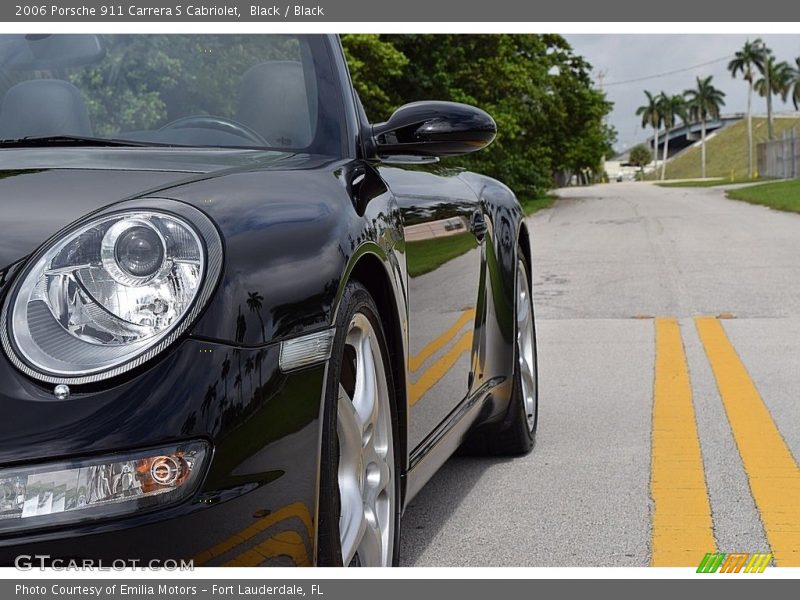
(504, 217)
(291, 238)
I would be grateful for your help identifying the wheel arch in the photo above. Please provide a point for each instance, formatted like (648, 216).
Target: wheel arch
(370, 271)
(524, 243)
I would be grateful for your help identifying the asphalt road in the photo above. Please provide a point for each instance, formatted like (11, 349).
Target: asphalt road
(669, 357)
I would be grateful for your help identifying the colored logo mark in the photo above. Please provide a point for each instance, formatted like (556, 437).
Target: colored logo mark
(738, 562)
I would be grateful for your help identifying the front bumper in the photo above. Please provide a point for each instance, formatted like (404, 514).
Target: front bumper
(257, 502)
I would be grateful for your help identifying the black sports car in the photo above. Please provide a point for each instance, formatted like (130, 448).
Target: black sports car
(240, 323)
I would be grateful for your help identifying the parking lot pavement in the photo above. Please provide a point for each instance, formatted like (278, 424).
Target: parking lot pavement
(669, 364)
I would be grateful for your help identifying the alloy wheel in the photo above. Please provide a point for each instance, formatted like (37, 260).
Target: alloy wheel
(366, 451)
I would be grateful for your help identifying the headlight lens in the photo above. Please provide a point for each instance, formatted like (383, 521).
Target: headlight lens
(66, 492)
(108, 291)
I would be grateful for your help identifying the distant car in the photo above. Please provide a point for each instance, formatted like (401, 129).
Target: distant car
(240, 323)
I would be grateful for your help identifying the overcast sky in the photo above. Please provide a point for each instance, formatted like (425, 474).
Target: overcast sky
(624, 57)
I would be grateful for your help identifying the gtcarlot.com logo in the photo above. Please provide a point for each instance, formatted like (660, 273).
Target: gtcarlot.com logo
(28, 562)
(737, 562)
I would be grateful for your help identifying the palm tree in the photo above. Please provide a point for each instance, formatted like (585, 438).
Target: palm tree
(208, 399)
(255, 302)
(651, 117)
(775, 77)
(745, 61)
(672, 108)
(704, 103)
(226, 368)
(241, 326)
(793, 89)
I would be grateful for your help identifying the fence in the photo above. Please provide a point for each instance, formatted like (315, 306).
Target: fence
(780, 158)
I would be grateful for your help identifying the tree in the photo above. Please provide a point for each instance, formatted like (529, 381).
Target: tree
(375, 66)
(651, 117)
(255, 302)
(745, 61)
(550, 117)
(226, 369)
(793, 88)
(703, 103)
(774, 81)
(672, 108)
(640, 156)
(583, 137)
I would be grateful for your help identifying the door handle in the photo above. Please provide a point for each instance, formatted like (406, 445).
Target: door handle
(478, 225)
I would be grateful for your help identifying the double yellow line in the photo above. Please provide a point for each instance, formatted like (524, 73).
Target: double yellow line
(682, 525)
(444, 363)
(252, 554)
(682, 521)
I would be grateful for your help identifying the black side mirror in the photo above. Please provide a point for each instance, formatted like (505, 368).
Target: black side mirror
(434, 129)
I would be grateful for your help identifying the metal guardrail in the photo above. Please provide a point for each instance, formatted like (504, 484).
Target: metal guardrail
(780, 158)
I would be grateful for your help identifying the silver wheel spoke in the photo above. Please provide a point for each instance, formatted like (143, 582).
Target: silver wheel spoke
(365, 398)
(371, 547)
(385, 476)
(349, 423)
(526, 350)
(351, 524)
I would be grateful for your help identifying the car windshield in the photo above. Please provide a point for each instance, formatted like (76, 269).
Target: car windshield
(253, 91)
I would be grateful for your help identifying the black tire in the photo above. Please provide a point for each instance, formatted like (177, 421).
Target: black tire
(514, 436)
(355, 299)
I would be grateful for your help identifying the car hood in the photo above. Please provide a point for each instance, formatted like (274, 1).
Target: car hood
(44, 189)
(287, 221)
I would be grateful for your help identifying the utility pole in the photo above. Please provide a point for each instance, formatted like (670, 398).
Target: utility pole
(601, 75)
(767, 68)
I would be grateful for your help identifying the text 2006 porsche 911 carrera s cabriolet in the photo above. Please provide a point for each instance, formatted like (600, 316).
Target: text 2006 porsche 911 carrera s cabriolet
(240, 323)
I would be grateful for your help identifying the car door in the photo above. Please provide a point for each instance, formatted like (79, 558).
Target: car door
(443, 226)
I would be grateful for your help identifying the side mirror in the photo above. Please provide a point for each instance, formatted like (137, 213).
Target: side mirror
(434, 129)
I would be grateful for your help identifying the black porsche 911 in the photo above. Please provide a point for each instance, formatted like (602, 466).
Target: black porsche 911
(241, 324)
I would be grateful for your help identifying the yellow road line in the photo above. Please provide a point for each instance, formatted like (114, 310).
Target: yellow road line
(297, 509)
(682, 527)
(286, 543)
(771, 469)
(415, 362)
(438, 369)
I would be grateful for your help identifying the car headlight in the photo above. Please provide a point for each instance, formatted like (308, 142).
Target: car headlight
(76, 490)
(108, 294)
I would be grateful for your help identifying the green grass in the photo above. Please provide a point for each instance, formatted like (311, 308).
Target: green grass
(780, 195)
(531, 205)
(425, 256)
(703, 183)
(726, 152)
